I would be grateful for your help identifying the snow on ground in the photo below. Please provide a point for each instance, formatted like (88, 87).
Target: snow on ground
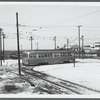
(86, 72)
(10, 81)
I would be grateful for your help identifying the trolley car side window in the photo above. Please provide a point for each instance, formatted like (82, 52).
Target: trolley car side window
(39, 55)
(44, 55)
(69, 54)
(25, 55)
(32, 56)
(64, 54)
(56, 54)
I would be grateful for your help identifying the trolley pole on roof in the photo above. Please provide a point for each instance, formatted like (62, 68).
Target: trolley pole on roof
(0, 48)
(18, 43)
(79, 38)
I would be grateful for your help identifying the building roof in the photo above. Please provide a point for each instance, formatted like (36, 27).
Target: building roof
(75, 46)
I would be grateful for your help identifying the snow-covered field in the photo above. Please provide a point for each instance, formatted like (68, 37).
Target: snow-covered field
(86, 72)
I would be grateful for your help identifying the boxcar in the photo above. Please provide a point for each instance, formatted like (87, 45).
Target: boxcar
(41, 57)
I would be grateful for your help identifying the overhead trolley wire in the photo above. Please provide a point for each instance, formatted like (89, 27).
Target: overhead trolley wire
(97, 11)
(92, 26)
(73, 40)
(41, 14)
(7, 25)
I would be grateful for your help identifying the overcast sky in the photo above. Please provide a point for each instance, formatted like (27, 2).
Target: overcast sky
(43, 22)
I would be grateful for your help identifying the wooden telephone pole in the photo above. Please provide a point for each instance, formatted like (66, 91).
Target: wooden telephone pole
(0, 48)
(67, 43)
(55, 41)
(82, 45)
(37, 46)
(31, 38)
(79, 38)
(3, 48)
(18, 43)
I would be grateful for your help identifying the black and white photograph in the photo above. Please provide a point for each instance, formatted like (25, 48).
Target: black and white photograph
(49, 49)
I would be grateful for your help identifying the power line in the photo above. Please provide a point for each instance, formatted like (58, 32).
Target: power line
(41, 14)
(7, 25)
(90, 30)
(92, 26)
(73, 40)
(77, 17)
(44, 28)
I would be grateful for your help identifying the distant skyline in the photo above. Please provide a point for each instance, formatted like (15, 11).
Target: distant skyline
(44, 21)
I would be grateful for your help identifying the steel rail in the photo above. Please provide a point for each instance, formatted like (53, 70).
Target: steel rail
(57, 84)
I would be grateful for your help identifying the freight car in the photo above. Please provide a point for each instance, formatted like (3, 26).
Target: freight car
(41, 57)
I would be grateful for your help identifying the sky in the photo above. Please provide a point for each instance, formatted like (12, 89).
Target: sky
(44, 21)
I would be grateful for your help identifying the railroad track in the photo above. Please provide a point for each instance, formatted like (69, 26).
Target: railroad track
(56, 85)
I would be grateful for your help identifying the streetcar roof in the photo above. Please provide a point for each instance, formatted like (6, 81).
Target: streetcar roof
(48, 51)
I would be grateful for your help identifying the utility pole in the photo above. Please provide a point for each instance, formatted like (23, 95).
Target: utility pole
(18, 43)
(21, 48)
(55, 42)
(3, 48)
(31, 38)
(0, 48)
(79, 38)
(74, 58)
(82, 44)
(37, 45)
(67, 43)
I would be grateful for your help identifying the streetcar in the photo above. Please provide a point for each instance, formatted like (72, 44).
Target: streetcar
(44, 57)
